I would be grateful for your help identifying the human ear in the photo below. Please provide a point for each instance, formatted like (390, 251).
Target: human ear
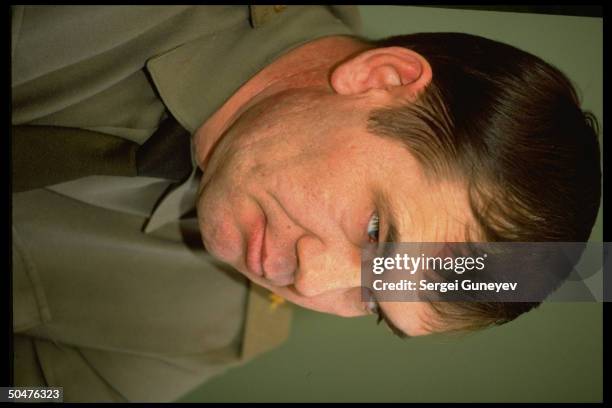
(398, 70)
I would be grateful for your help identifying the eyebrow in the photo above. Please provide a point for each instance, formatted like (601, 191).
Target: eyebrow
(392, 236)
(382, 316)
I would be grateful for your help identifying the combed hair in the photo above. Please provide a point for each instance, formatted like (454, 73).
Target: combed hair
(510, 126)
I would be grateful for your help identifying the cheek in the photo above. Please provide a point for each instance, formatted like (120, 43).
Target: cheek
(220, 209)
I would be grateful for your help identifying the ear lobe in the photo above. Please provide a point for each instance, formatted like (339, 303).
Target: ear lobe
(395, 69)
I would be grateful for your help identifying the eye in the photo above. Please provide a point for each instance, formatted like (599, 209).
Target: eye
(372, 304)
(373, 228)
(374, 308)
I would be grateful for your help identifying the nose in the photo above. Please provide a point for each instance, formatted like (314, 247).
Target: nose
(326, 267)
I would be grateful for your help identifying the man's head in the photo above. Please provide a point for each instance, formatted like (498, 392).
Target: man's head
(443, 137)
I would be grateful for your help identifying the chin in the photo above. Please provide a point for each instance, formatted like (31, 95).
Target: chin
(223, 242)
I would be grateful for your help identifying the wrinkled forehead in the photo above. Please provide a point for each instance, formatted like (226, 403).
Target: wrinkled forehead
(422, 207)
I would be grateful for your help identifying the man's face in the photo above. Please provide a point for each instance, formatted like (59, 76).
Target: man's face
(289, 190)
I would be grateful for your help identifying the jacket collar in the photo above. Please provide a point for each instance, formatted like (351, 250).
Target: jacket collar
(195, 79)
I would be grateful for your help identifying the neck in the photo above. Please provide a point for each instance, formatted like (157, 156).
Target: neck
(308, 66)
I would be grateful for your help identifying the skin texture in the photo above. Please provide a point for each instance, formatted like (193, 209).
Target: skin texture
(290, 167)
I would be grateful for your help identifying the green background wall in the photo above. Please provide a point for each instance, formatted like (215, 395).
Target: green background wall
(552, 354)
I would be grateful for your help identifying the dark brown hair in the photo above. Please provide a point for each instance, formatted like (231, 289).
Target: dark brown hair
(510, 126)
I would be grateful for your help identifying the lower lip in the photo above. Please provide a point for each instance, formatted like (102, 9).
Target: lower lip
(253, 255)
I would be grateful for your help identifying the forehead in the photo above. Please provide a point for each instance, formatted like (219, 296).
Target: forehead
(421, 207)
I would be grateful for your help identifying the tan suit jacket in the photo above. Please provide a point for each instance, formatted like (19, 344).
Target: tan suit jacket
(114, 297)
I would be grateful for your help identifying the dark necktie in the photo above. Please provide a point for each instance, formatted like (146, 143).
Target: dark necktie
(46, 155)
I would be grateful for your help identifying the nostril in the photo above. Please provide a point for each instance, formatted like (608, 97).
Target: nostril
(305, 286)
